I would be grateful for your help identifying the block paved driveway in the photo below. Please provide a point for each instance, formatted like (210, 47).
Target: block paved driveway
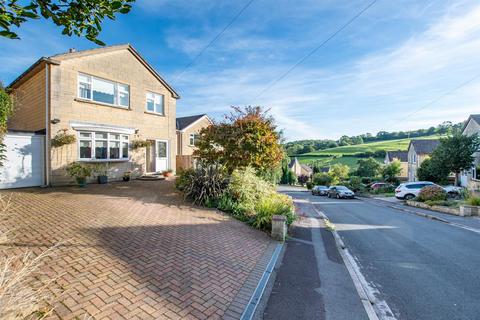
(136, 250)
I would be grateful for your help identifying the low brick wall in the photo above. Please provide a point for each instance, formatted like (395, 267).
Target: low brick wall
(454, 211)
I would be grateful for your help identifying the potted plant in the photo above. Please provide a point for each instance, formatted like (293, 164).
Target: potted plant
(80, 172)
(101, 171)
(127, 175)
(167, 173)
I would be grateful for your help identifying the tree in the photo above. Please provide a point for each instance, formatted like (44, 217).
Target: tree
(432, 170)
(391, 171)
(302, 179)
(322, 179)
(368, 167)
(246, 138)
(6, 110)
(338, 172)
(455, 153)
(291, 177)
(79, 17)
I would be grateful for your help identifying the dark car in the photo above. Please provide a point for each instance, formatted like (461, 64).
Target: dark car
(340, 192)
(320, 191)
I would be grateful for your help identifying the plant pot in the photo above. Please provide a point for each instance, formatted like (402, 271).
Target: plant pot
(126, 178)
(167, 174)
(102, 179)
(81, 181)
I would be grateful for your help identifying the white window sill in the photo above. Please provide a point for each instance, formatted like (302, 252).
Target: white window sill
(101, 103)
(104, 160)
(155, 113)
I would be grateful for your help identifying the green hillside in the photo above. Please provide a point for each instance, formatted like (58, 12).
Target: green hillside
(390, 145)
(346, 154)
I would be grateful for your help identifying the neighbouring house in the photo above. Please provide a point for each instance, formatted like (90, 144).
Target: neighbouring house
(107, 98)
(471, 178)
(418, 151)
(300, 169)
(401, 156)
(188, 129)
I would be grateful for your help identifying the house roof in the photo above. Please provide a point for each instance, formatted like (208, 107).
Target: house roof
(400, 155)
(185, 122)
(56, 59)
(424, 146)
(474, 117)
(292, 163)
(306, 168)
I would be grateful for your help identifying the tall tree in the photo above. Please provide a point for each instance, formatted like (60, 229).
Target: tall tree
(455, 153)
(338, 172)
(391, 171)
(80, 17)
(247, 137)
(368, 167)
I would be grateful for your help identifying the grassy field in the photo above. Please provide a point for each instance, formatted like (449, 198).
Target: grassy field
(390, 145)
(344, 155)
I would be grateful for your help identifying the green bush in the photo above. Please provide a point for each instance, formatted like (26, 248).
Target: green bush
(203, 185)
(322, 179)
(355, 184)
(473, 201)
(277, 204)
(310, 185)
(432, 193)
(79, 170)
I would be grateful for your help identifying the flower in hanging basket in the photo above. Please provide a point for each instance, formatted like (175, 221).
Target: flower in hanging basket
(139, 143)
(63, 138)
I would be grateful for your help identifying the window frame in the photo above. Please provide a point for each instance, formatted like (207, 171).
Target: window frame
(154, 96)
(192, 135)
(124, 138)
(115, 89)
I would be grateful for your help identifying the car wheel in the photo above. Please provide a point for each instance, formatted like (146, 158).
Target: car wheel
(409, 196)
(338, 196)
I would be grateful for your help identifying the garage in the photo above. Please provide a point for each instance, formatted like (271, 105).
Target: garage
(24, 163)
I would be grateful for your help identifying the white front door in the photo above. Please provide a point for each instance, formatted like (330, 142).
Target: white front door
(161, 155)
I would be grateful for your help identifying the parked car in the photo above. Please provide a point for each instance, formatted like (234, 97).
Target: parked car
(320, 191)
(340, 192)
(410, 190)
(380, 185)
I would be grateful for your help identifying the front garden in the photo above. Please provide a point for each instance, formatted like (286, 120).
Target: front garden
(240, 162)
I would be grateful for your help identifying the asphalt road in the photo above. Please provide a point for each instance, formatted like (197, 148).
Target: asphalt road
(422, 268)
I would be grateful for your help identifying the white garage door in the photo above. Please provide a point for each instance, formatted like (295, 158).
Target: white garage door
(23, 166)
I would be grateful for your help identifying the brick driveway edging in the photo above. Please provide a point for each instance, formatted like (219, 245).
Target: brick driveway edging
(136, 250)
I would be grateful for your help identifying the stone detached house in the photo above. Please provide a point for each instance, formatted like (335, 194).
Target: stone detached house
(471, 178)
(188, 129)
(401, 156)
(107, 97)
(300, 169)
(418, 151)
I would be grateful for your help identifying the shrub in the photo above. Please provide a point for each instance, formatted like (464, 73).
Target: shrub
(355, 183)
(266, 208)
(473, 201)
(310, 185)
(322, 179)
(432, 193)
(79, 170)
(203, 185)
(303, 179)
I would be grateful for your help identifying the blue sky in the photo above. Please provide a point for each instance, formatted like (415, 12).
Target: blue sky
(396, 58)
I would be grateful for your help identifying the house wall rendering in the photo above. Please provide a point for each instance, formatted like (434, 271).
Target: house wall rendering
(470, 178)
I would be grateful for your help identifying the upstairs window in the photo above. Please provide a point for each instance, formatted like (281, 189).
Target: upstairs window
(103, 91)
(155, 103)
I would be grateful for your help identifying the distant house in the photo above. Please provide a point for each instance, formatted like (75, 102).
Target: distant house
(471, 178)
(188, 129)
(300, 169)
(401, 156)
(418, 151)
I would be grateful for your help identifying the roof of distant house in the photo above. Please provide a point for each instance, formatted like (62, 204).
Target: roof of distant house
(292, 162)
(185, 122)
(324, 169)
(402, 156)
(474, 117)
(424, 146)
(306, 168)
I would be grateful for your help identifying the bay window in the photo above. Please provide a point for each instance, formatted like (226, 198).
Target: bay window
(108, 146)
(103, 91)
(155, 103)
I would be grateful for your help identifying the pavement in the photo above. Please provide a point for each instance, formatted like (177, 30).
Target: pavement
(311, 282)
(421, 268)
(136, 250)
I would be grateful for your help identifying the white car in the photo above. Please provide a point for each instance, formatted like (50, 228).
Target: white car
(410, 190)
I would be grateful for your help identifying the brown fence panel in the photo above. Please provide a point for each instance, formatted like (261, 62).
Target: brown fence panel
(184, 162)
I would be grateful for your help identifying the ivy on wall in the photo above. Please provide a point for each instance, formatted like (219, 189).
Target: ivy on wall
(6, 111)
